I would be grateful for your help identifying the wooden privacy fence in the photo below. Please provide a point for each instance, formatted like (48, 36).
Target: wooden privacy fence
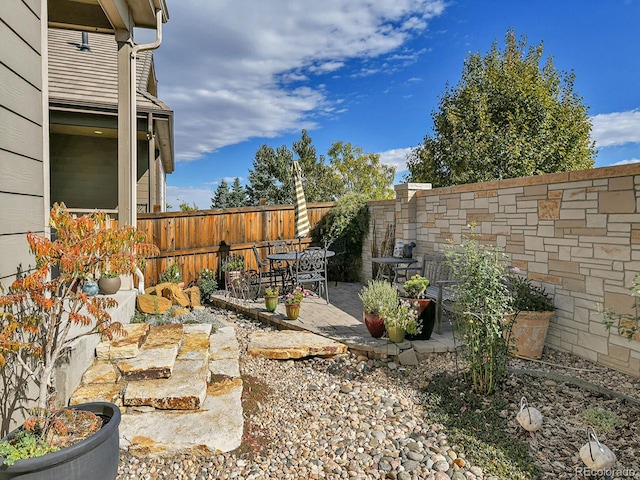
(201, 239)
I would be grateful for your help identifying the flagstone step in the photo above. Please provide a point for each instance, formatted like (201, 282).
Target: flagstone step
(98, 392)
(157, 355)
(217, 426)
(124, 347)
(224, 352)
(184, 390)
(184, 410)
(286, 344)
(223, 344)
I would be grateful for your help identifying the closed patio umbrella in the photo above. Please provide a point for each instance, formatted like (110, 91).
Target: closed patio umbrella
(300, 205)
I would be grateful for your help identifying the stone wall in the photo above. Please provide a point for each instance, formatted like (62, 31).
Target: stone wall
(381, 214)
(575, 233)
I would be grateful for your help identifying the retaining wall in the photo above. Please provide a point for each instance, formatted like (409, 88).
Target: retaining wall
(575, 233)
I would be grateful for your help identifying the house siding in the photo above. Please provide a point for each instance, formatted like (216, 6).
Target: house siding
(22, 186)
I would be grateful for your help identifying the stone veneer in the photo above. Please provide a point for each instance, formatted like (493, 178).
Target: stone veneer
(575, 233)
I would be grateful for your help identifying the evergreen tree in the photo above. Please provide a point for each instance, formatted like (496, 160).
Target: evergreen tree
(238, 196)
(507, 117)
(270, 178)
(320, 182)
(221, 197)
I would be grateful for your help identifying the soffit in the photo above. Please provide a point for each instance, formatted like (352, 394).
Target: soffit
(105, 15)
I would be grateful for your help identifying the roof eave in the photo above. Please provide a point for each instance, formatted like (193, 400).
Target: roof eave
(105, 16)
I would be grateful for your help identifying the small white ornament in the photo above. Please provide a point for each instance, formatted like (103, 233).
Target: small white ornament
(595, 455)
(529, 417)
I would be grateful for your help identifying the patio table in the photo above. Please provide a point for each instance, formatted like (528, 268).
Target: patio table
(387, 264)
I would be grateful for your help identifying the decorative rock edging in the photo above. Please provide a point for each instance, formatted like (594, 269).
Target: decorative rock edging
(372, 348)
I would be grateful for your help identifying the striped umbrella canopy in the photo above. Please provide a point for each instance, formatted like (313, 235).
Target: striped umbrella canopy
(300, 205)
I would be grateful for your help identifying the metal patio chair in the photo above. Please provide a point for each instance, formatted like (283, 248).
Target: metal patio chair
(311, 267)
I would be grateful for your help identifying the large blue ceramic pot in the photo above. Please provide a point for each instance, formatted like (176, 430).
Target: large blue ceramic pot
(90, 288)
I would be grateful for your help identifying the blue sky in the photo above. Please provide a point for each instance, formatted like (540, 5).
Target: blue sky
(243, 73)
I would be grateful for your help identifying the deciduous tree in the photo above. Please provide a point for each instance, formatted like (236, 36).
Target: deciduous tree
(361, 172)
(507, 117)
(320, 181)
(185, 207)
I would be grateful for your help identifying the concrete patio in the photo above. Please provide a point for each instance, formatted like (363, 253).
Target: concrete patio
(341, 320)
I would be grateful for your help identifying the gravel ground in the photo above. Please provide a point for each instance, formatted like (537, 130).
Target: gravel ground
(353, 418)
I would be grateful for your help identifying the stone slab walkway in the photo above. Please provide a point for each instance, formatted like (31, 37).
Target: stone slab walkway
(198, 406)
(341, 321)
(291, 344)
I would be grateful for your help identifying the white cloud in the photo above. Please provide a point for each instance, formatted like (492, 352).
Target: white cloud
(228, 68)
(396, 158)
(200, 196)
(626, 162)
(617, 128)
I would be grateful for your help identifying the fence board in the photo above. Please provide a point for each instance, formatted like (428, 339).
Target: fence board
(199, 240)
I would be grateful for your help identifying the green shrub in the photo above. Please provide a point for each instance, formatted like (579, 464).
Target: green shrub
(481, 300)
(232, 263)
(415, 286)
(207, 284)
(347, 223)
(529, 297)
(171, 274)
(602, 420)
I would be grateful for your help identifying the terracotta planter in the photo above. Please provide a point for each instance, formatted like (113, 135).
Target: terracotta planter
(271, 303)
(293, 310)
(374, 324)
(109, 286)
(396, 334)
(94, 458)
(529, 332)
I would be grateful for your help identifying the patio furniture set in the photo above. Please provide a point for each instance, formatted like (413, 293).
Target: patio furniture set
(286, 265)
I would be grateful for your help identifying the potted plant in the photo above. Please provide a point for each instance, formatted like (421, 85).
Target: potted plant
(532, 311)
(399, 320)
(41, 315)
(414, 290)
(292, 302)
(271, 298)
(377, 296)
(109, 282)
